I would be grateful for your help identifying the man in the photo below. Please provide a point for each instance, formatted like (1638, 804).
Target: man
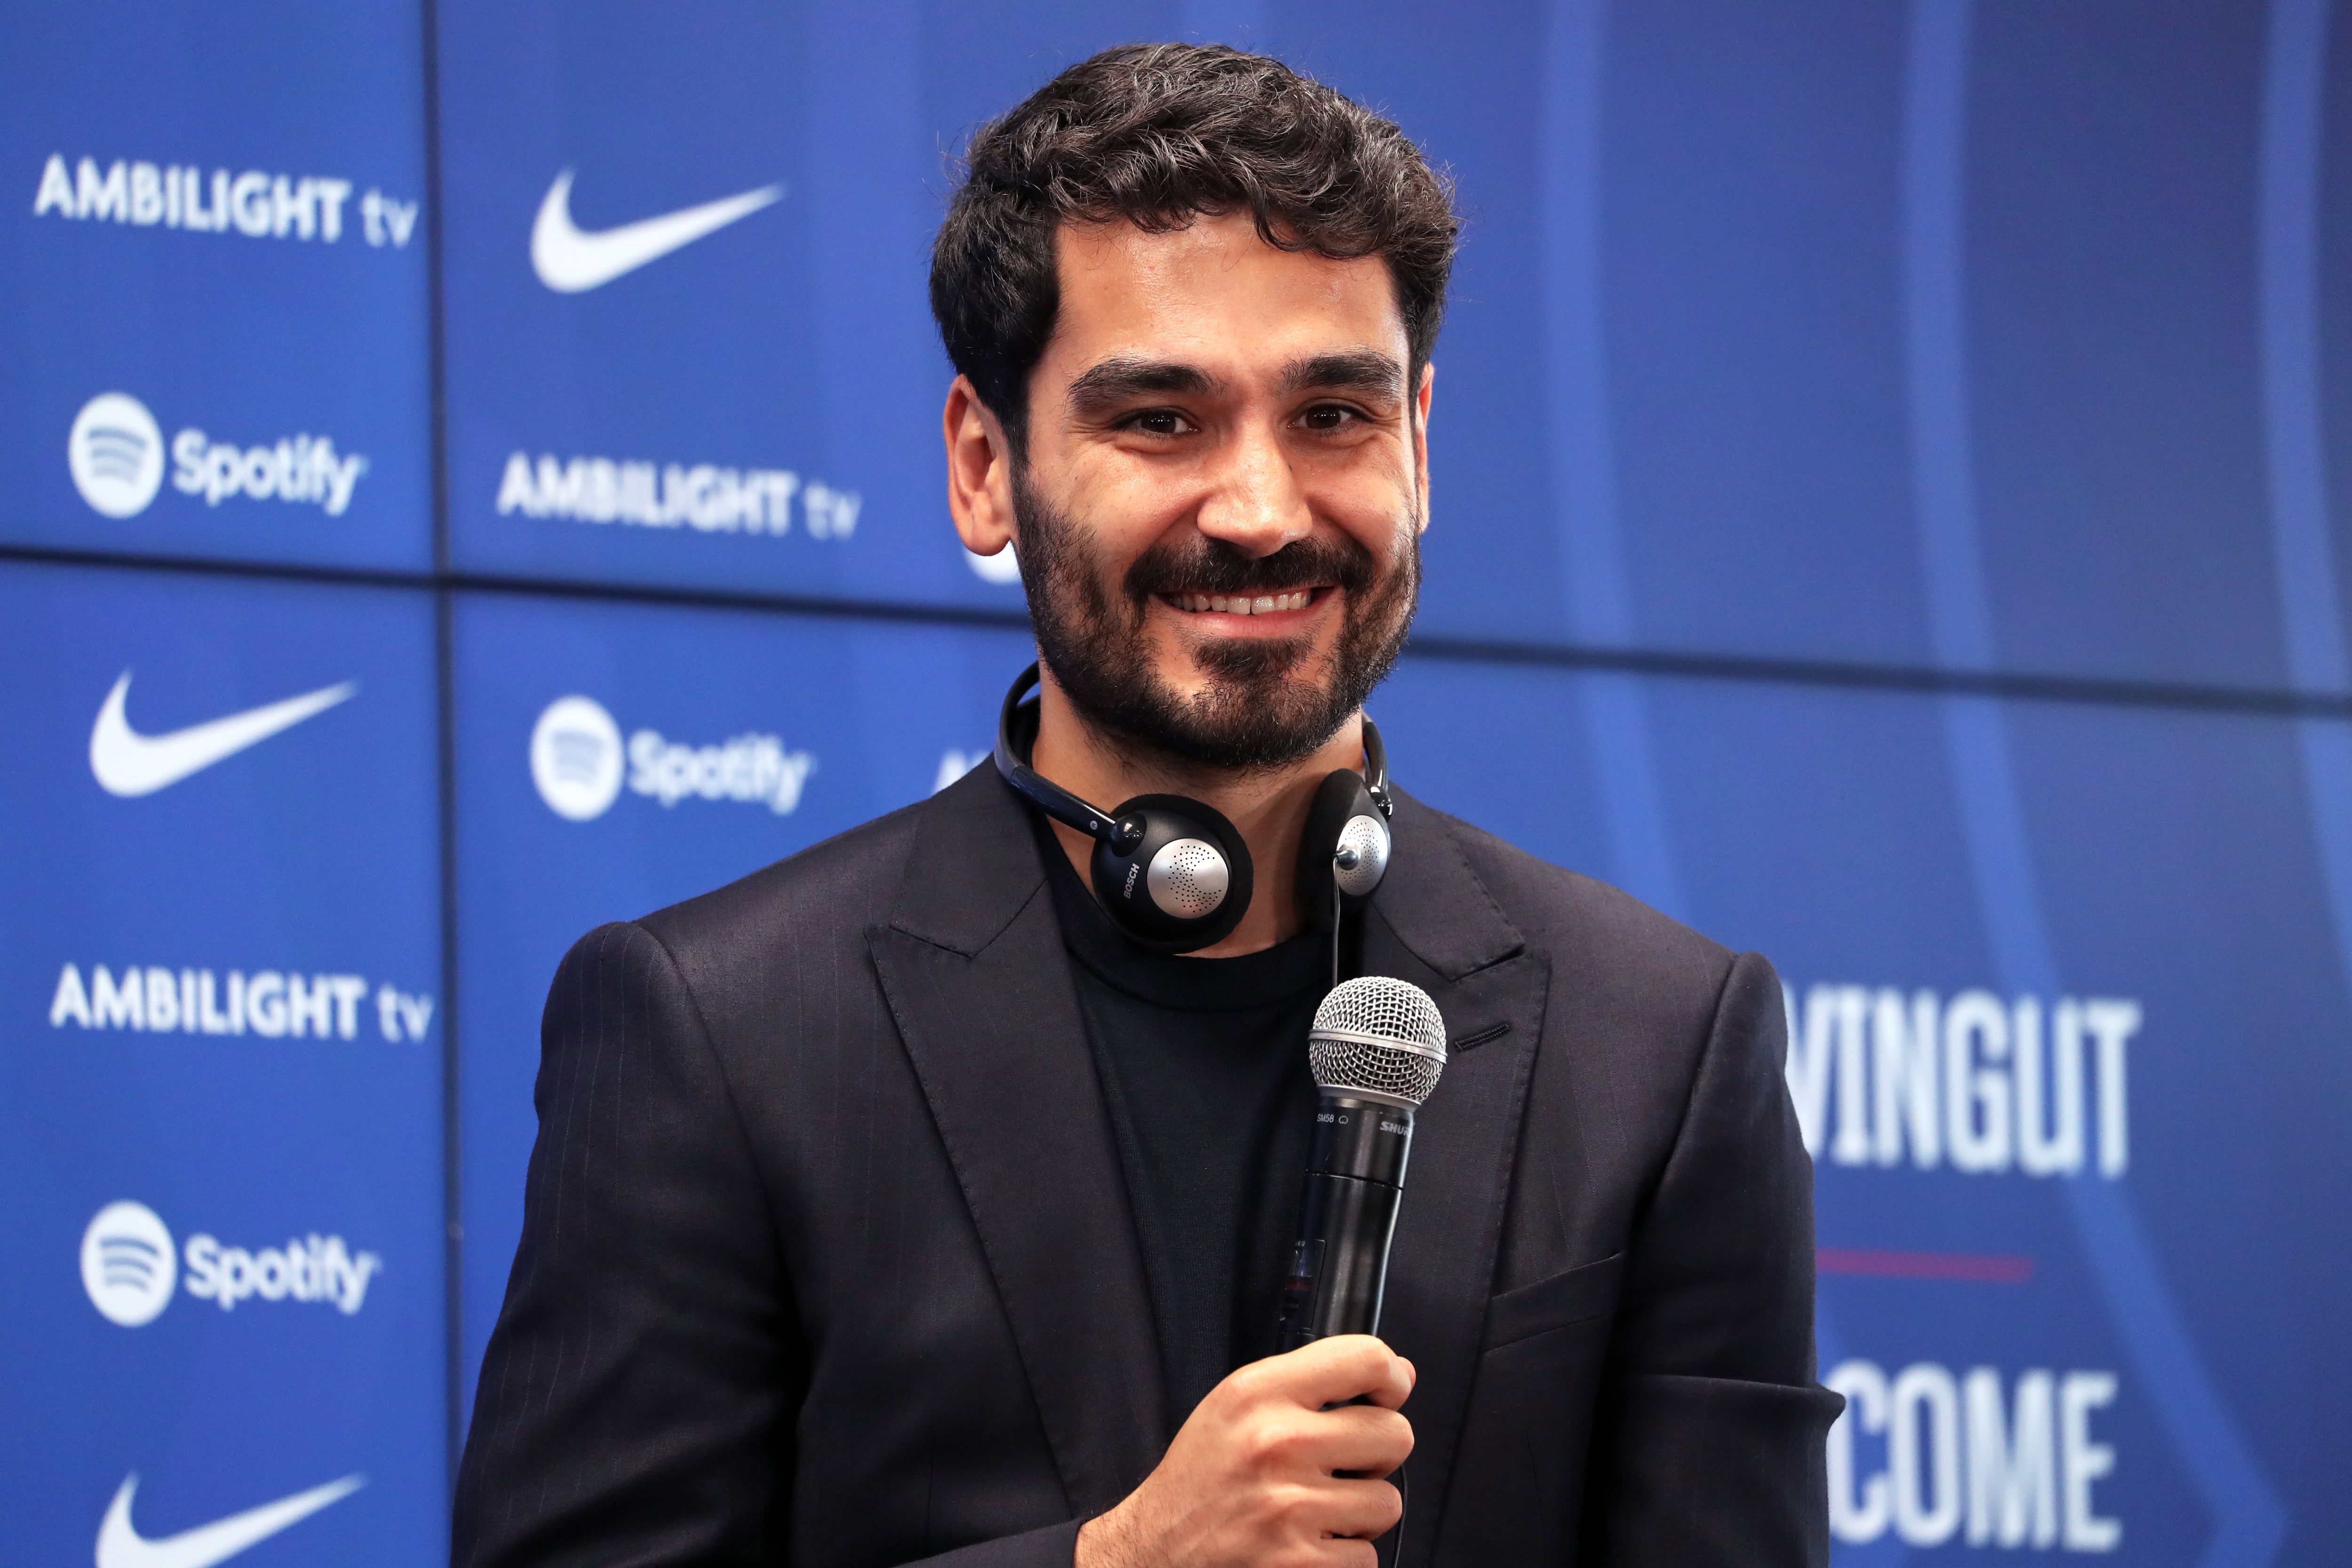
(891, 1206)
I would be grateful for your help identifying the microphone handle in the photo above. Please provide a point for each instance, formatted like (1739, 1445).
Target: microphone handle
(1355, 1178)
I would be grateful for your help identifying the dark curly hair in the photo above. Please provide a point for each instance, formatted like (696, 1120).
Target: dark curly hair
(1158, 134)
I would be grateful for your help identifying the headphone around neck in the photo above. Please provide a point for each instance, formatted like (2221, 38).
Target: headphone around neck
(1174, 873)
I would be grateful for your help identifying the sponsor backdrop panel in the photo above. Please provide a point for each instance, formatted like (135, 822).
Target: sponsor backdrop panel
(2113, 262)
(1759, 323)
(215, 340)
(1669, 393)
(2327, 384)
(615, 759)
(220, 1071)
(1842, 296)
(695, 348)
(2075, 1108)
(1767, 316)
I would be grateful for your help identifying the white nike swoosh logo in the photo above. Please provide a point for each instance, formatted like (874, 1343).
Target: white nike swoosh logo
(570, 261)
(129, 763)
(120, 1545)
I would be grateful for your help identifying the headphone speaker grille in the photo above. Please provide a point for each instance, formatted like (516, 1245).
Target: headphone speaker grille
(1369, 837)
(1188, 879)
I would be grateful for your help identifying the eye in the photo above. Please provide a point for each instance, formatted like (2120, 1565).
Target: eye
(1159, 422)
(1325, 418)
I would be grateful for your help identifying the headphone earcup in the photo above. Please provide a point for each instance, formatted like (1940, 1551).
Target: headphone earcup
(1185, 885)
(1343, 814)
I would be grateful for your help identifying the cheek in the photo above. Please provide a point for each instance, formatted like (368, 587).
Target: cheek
(1380, 516)
(1120, 516)
(1374, 494)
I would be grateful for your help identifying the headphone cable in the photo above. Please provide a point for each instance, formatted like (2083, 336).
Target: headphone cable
(1339, 910)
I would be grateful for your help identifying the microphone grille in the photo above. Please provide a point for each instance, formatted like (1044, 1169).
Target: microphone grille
(1380, 1037)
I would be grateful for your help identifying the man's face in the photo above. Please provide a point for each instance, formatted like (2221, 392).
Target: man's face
(1220, 512)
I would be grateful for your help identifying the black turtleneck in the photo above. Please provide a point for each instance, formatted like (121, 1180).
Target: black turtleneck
(1203, 1063)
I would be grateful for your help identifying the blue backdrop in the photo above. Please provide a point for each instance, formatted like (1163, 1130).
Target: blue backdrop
(477, 475)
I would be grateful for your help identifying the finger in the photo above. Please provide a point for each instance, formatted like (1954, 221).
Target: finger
(1360, 1510)
(1361, 1439)
(1333, 1371)
(1342, 1511)
(1395, 1376)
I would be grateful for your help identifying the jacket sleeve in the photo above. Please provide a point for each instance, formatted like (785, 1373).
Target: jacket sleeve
(1708, 1448)
(635, 1400)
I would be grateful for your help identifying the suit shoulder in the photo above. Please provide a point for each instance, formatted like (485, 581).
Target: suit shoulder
(840, 885)
(1567, 911)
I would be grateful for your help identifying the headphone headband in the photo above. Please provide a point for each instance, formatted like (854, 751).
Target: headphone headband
(1015, 726)
(1016, 733)
(1376, 770)
(1174, 873)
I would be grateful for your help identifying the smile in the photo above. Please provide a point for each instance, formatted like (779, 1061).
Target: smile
(1242, 603)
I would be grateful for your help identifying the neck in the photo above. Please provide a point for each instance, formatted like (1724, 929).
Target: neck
(1267, 805)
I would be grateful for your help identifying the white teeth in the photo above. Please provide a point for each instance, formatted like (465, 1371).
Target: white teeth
(1262, 604)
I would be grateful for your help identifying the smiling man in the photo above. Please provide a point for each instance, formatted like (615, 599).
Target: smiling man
(927, 1197)
(1244, 428)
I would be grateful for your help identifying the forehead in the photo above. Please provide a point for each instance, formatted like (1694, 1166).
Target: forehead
(1213, 295)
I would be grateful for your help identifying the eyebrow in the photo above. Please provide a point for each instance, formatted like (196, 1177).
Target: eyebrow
(1104, 386)
(1356, 370)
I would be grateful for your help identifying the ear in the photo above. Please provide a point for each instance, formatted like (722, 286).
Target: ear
(1421, 438)
(979, 472)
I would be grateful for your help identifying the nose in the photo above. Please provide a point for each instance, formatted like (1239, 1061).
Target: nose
(1256, 503)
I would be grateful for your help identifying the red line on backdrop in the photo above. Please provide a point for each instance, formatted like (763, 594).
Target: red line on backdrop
(1978, 1267)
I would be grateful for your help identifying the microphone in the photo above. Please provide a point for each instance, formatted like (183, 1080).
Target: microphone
(1376, 1049)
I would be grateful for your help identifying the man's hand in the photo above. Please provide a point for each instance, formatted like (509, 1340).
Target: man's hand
(1250, 1483)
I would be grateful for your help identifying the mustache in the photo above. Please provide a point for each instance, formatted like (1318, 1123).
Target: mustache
(1199, 565)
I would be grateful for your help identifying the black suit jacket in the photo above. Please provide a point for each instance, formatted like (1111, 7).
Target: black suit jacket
(827, 1259)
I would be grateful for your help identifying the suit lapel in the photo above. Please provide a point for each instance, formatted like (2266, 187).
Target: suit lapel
(978, 982)
(1434, 923)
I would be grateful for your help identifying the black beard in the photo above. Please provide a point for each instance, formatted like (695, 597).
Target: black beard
(1269, 700)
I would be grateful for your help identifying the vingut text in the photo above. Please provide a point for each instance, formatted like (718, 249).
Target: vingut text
(1986, 1085)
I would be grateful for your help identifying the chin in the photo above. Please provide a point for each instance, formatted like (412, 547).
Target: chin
(1255, 664)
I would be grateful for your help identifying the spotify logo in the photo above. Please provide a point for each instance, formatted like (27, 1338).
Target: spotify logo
(116, 455)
